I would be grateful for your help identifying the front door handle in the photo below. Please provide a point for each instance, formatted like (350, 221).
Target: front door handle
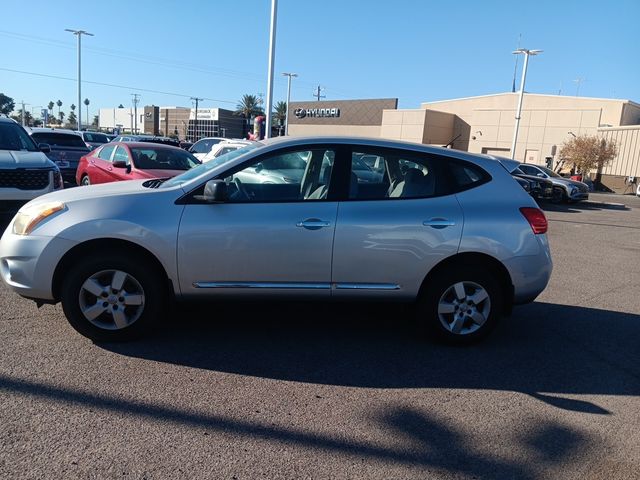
(313, 224)
(438, 223)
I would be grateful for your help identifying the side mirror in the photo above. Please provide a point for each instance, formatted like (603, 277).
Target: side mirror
(44, 147)
(541, 175)
(215, 191)
(120, 164)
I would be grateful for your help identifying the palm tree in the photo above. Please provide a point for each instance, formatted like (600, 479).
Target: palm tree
(61, 115)
(50, 107)
(280, 112)
(248, 107)
(87, 102)
(59, 103)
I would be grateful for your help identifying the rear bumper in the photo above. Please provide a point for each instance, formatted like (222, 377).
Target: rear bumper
(530, 274)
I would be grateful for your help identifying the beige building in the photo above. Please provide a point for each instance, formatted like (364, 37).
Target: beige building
(485, 124)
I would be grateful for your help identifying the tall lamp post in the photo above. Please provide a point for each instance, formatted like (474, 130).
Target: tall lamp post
(526, 53)
(79, 33)
(286, 118)
(272, 54)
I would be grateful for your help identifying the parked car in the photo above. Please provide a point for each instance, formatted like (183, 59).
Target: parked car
(94, 139)
(463, 240)
(638, 191)
(131, 161)
(147, 138)
(67, 147)
(25, 170)
(204, 145)
(570, 190)
(221, 148)
(539, 188)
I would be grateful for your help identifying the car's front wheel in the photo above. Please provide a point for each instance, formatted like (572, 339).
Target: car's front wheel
(85, 181)
(461, 305)
(114, 297)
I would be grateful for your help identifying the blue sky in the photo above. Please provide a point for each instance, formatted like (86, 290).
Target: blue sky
(414, 50)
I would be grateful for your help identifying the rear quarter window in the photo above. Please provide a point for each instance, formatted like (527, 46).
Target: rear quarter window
(465, 175)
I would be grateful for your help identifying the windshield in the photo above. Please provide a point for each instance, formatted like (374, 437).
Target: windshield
(95, 137)
(150, 158)
(206, 167)
(59, 139)
(14, 137)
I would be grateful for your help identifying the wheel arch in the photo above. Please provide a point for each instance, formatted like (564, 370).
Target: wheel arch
(476, 259)
(100, 245)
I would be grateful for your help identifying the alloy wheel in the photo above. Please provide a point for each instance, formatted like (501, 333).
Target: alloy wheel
(464, 308)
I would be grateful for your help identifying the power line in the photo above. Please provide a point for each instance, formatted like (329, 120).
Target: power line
(127, 87)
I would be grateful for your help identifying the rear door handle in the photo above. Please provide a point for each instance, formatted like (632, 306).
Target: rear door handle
(313, 224)
(438, 223)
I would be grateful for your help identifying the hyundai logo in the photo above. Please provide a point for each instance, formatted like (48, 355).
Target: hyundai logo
(300, 112)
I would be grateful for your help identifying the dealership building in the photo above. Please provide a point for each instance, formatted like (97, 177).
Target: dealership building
(485, 124)
(173, 121)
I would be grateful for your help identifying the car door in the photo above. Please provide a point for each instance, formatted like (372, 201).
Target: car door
(98, 169)
(267, 238)
(391, 232)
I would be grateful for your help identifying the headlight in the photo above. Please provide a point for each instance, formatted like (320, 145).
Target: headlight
(28, 219)
(573, 190)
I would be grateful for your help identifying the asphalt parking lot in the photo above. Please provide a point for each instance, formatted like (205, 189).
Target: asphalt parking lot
(344, 391)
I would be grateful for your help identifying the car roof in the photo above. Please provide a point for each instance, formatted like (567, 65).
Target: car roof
(146, 145)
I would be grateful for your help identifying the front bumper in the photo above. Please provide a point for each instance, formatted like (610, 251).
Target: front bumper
(577, 196)
(27, 263)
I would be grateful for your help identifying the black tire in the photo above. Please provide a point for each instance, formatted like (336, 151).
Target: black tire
(85, 181)
(440, 289)
(558, 195)
(141, 275)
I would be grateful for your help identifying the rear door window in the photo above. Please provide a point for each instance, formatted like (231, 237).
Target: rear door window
(105, 152)
(59, 139)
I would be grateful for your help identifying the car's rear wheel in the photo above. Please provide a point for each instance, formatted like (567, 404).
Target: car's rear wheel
(85, 181)
(114, 297)
(461, 305)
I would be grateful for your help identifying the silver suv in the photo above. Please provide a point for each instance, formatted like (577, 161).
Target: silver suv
(25, 171)
(450, 231)
(572, 190)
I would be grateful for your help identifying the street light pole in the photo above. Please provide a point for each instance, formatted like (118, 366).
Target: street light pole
(79, 33)
(272, 53)
(526, 53)
(286, 118)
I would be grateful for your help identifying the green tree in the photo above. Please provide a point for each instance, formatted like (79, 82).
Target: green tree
(280, 112)
(28, 118)
(60, 118)
(6, 104)
(59, 103)
(50, 107)
(588, 152)
(72, 119)
(248, 107)
(96, 121)
(86, 103)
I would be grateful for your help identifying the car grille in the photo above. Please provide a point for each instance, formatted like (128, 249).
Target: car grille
(582, 188)
(23, 179)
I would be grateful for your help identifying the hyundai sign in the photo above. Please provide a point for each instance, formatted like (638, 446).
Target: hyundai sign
(316, 112)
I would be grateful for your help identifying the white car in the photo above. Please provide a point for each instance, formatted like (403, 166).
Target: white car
(222, 148)
(204, 145)
(638, 191)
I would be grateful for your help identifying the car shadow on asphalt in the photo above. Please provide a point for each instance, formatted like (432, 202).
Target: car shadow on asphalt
(548, 351)
(583, 207)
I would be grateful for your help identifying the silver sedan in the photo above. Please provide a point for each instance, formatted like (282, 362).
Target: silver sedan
(451, 232)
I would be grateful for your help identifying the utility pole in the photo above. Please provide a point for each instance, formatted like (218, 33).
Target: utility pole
(286, 118)
(272, 56)
(578, 81)
(195, 122)
(22, 112)
(526, 52)
(317, 93)
(135, 112)
(79, 33)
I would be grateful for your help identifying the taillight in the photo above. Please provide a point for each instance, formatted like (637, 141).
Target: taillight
(536, 219)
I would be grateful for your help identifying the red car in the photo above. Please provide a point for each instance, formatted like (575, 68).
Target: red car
(133, 161)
